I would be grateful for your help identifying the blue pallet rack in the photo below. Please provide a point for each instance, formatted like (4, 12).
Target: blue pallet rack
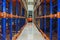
(58, 19)
(4, 21)
(53, 15)
(51, 7)
(17, 13)
(45, 15)
(17, 22)
(10, 19)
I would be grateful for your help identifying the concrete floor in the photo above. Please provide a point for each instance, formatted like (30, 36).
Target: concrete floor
(30, 32)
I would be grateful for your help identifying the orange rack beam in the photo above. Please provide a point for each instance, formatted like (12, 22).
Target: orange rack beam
(6, 15)
(50, 16)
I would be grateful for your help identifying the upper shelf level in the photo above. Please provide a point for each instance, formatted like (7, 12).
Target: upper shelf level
(47, 1)
(22, 2)
(38, 2)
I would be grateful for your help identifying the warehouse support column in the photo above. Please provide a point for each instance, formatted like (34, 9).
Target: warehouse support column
(51, 19)
(4, 20)
(17, 15)
(45, 15)
(58, 14)
(10, 19)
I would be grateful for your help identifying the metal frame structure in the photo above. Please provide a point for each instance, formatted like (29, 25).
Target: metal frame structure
(17, 13)
(51, 16)
(51, 12)
(4, 21)
(45, 15)
(20, 20)
(11, 20)
(58, 14)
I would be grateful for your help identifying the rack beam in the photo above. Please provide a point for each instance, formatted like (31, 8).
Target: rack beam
(10, 15)
(48, 16)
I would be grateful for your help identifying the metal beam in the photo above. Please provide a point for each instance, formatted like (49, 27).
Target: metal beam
(4, 21)
(51, 7)
(58, 19)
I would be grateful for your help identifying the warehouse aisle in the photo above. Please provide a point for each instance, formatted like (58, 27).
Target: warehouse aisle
(30, 32)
